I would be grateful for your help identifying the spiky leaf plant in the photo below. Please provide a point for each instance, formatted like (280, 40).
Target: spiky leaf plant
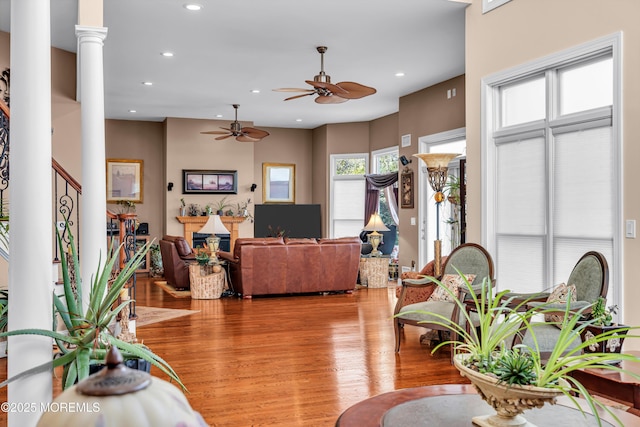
(499, 318)
(87, 336)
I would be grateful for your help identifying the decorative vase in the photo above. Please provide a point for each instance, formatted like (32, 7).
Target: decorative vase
(509, 401)
(183, 211)
(613, 345)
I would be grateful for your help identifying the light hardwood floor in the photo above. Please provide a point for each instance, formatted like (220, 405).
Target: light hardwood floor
(286, 361)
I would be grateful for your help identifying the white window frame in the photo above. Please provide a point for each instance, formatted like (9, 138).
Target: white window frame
(379, 153)
(333, 158)
(489, 117)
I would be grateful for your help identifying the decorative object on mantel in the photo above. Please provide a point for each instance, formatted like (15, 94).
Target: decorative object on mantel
(330, 93)
(241, 134)
(183, 208)
(119, 396)
(511, 378)
(437, 167)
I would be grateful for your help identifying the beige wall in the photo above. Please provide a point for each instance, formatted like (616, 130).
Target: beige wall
(423, 113)
(383, 132)
(525, 30)
(141, 141)
(286, 146)
(320, 170)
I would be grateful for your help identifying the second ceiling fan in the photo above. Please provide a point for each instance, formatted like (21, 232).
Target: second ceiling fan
(235, 129)
(327, 92)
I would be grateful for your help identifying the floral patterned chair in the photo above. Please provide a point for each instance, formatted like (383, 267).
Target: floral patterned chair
(470, 259)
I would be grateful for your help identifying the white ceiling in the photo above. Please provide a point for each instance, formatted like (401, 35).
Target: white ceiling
(233, 46)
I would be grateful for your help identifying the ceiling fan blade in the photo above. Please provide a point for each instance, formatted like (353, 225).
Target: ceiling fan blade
(215, 132)
(333, 99)
(292, 89)
(224, 137)
(355, 90)
(300, 96)
(328, 86)
(245, 138)
(255, 133)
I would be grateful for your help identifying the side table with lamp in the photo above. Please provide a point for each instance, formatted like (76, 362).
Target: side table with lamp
(214, 227)
(374, 268)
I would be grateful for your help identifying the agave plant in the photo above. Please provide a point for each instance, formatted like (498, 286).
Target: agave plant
(88, 335)
(487, 347)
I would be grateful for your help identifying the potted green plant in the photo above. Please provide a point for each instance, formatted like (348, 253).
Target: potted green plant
(202, 257)
(502, 373)
(87, 335)
(220, 205)
(600, 321)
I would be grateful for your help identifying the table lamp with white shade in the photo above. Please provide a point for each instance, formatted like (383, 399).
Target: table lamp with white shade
(375, 224)
(213, 226)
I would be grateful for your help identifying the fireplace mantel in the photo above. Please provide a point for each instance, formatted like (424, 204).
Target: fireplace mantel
(194, 223)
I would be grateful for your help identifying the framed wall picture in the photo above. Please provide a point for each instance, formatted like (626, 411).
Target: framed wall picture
(278, 183)
(209, 181)
(406, 187)
(124, 180)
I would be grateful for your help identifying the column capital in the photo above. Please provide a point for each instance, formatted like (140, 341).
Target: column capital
(83, 33)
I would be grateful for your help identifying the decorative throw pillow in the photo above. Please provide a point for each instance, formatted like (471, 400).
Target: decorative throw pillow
(452, 282)
(560, 294)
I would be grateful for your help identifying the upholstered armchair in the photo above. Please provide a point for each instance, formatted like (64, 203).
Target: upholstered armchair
(176, 257)
(470, 259)
(590, 276)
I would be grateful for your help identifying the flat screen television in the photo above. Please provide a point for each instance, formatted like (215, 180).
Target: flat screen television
(294, 220)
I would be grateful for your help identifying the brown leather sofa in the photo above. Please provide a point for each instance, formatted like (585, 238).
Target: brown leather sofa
(176, 257)
(276, 265)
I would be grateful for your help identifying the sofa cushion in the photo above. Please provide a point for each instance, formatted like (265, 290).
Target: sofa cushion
(182, 247)
(300, 241)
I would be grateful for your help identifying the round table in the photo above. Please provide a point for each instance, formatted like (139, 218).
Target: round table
(371, 412)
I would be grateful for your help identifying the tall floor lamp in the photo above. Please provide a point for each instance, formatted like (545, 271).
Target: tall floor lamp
(437, 167)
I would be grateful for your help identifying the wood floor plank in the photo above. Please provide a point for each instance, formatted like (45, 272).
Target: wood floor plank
(285, 361)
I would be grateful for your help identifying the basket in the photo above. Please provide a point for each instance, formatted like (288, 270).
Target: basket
(206, 286)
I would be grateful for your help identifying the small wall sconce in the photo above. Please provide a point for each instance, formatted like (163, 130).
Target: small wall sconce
(253, 187)
(404, 160)
(170, 186)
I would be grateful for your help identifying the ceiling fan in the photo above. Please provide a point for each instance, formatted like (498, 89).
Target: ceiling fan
(235, 129)
(327, 92)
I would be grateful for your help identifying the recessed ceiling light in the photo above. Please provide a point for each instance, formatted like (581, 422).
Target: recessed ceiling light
(167, 54)
(400, 74)
(298, 120)
(132, 111)
(192, 6)
(219, 116)
(255, 90)
(147, 83)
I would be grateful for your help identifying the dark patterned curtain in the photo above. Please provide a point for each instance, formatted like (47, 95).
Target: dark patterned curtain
(375, 183)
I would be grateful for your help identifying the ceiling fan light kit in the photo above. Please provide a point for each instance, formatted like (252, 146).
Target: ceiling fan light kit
(327, 92)
(247, 134)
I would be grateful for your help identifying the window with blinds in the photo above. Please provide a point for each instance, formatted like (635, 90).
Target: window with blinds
(553, 172)
(347, 194)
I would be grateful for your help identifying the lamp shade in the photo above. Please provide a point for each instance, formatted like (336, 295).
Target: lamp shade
(436, 160)
(375, 224)
(214, 226)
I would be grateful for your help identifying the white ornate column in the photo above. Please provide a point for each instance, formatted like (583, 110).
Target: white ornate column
(31, 232)
(93, 242)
